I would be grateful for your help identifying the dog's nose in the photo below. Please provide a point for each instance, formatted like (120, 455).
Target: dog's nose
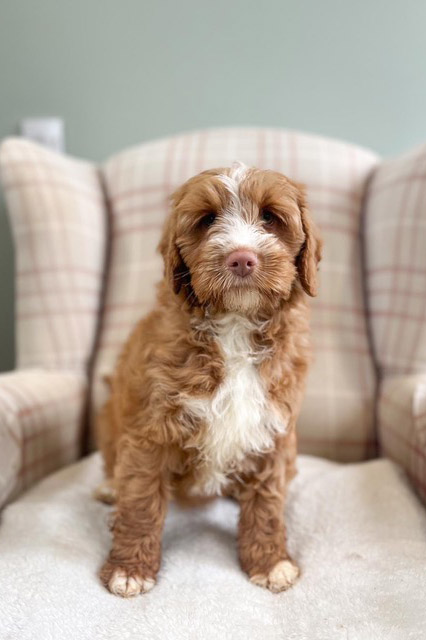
(241, 262)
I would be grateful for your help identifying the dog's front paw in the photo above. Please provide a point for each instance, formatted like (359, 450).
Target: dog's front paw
(281, 577)
(126, 582)
(106, 492)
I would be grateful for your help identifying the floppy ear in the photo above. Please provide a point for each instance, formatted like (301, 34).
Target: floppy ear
(310, 253)
(173, 263)
(175, 270)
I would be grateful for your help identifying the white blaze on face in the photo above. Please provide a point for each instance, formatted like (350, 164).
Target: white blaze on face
(233, 230)
(232, 182)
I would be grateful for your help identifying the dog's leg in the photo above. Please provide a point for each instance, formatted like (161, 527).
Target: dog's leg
(142, 496)
(262, 536)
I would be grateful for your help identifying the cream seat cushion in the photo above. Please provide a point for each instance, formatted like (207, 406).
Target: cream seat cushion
(357, 531)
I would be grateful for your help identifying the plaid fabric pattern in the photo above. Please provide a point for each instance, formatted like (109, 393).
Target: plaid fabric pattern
(40, 425)
(402, 425)
(57, 213)
(395, 239)
(337, 416)
(395, 242)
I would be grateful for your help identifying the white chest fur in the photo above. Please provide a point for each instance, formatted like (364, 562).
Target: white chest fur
(239, 418)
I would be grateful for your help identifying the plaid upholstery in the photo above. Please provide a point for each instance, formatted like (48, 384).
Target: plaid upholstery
(395, 252)
(395, 237)
(57, 212)
(58, 215)
(337, 416)
(40, 425)
(402, 425)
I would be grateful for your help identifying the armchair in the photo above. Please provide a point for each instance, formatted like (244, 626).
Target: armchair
(86, 265)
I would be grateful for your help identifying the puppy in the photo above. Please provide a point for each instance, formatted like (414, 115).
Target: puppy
(207, 390)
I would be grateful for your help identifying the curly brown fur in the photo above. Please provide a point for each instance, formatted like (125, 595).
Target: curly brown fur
(207, 390)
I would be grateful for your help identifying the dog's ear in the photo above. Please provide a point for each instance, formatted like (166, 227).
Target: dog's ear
(311, 251)
(175, 270)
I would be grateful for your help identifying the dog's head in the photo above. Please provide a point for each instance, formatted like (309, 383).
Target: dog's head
(240, 239)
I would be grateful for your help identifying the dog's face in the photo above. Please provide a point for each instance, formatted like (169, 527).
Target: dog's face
(239, 239)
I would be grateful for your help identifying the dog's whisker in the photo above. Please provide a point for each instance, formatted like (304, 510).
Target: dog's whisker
(181, 274)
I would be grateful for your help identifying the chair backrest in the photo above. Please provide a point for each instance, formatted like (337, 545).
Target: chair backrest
(395, 245)
(56, 208)
(337, 419)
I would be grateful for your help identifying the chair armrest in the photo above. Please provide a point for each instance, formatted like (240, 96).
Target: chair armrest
(402, 425)
(41, 416)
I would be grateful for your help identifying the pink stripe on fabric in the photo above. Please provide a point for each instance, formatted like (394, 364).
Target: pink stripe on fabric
(154, 226)
(60, 267)
(317, 326)
(401, 407)
(396, 181)
(261, 148)
(361, 351)
(78, 289)
(47, 404)
(357, 286)
(419, 416)
(335, 190)
(384, 340)
(21, 395)
(359, 311)
(278, 151)
(337, 441)
(56, 455)
(397, 314)
(136, 191)
(401, 293)
(48, 313)
(51, 184)
(388, 429)
(201, 151)
(70, 326)
(125, 305)
(404, 408)
(292, 148)
(335, 228)
(184, 162)
(419, 209)
(8, 429)
(143, 209)
(168, 164)
(122, 324)
(30, 437)
(397, 268)
(60, 163)
(56, 343)
(417, 482)
(150, 189)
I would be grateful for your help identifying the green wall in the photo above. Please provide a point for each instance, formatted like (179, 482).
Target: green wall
(123, 71)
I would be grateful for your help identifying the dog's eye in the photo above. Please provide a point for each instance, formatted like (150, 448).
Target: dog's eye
(267, 216)
(208, 219)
